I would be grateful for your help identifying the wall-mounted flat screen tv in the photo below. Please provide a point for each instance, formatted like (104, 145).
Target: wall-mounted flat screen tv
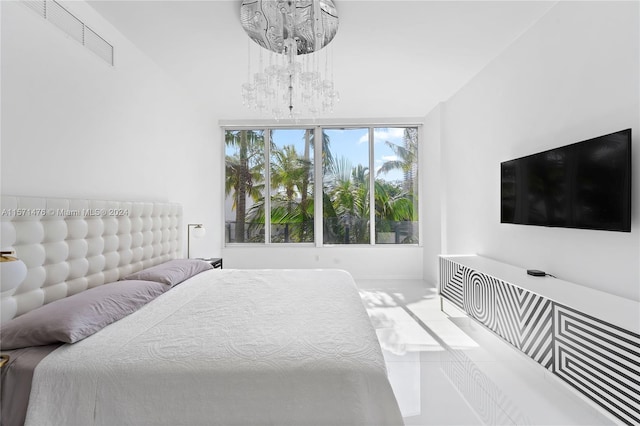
(584, 185)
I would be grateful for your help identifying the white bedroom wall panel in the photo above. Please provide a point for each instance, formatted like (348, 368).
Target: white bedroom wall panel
(572, 76)
(84, 109)
(133, 125)
(363, 262)
(431, 195)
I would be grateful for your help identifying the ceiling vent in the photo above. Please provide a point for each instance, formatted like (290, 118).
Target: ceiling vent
(72, 26)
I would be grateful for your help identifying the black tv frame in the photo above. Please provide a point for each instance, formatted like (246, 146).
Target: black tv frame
(624, 224)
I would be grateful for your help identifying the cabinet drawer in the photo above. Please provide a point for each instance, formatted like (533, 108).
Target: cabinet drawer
(451, 275)
(600, 360)
(524, 319)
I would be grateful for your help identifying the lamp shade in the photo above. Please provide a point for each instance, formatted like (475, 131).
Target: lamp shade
(199, 231)
(12, 272)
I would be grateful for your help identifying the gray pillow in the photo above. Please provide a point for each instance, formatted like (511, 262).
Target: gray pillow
(171, 272)
(75, 317)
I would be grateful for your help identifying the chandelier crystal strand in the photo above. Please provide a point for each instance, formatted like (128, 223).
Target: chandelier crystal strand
(292, 84)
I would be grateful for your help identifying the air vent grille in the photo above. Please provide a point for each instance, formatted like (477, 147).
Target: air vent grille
(37, 6)
(72, 26)
(98, 45)
(61, 18)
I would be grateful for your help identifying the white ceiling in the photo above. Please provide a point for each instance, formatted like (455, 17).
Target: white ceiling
(392, 59)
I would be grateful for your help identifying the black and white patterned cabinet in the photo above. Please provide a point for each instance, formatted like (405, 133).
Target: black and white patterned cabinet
(589, 339)
(600, 360)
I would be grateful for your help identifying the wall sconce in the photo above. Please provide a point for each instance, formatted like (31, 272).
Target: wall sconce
(13, 271)
(198, 232)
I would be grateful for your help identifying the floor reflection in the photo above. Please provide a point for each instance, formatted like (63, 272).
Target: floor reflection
(446, 369)
(491, 405)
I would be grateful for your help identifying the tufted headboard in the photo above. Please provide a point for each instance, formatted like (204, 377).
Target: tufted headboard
(69, 245)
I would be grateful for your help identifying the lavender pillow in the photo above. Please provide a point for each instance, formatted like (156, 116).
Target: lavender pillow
(75, 317)
(172, 272)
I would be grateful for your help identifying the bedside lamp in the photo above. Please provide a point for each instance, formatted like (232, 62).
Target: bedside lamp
(198, 232)
(12, 271)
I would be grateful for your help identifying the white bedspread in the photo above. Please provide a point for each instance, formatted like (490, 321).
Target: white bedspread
(227, 347)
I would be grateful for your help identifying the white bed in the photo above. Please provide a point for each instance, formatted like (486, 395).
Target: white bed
(225, 347)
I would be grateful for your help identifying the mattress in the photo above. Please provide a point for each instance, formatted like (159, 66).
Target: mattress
(226, 347)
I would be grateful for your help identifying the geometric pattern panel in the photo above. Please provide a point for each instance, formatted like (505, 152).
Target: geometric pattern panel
(524, 319)
(600, 360)
(451, 281)
(479, 297)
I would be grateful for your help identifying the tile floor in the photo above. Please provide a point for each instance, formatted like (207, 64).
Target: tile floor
(446, 369)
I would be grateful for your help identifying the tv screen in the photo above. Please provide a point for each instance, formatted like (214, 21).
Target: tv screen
(584, 185)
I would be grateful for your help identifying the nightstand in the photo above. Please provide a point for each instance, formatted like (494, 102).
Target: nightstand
(216, 262)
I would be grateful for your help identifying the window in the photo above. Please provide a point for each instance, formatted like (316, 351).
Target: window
(292, 203)
(244, 185)
(274, 170)
(396, 196)
(346, 186)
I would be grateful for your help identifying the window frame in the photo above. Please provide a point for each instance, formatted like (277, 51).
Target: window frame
(318, 189)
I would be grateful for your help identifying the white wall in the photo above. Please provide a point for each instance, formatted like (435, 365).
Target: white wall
(431, 188)
(73, 126)
(364, 262)
(571, 77)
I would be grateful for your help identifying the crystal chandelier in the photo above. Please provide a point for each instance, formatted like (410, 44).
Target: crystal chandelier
(288, 81)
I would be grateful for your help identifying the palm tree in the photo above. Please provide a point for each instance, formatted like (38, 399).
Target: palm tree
(244, 173)
(327, 156)
(360, 178)
(306, 204)
(392, 203)
(291, 205)
(406, 158)
(398, 204)
(290, 173)
(348, 190)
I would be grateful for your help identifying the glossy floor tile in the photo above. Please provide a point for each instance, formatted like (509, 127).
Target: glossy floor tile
(446, 369)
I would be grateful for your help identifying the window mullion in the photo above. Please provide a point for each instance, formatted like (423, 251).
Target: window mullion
(318, 182)
(372, 189)
(267, 186)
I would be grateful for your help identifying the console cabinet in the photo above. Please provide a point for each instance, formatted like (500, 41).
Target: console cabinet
(589, 339)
